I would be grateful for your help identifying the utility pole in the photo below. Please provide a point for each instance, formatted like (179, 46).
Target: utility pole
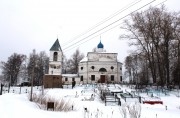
(32, 79)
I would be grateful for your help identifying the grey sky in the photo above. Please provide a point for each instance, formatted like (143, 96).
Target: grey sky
(35, 24)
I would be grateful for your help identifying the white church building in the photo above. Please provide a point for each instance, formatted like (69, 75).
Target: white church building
(100, 66)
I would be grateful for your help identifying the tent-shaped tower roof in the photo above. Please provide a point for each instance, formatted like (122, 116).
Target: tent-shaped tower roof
(56, 46)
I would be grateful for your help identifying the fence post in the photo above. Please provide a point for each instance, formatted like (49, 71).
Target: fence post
(139, 99)
(1, 89)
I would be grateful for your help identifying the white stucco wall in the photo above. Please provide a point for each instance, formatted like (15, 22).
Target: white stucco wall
(100, 60)
(55, 67)
(70, 79)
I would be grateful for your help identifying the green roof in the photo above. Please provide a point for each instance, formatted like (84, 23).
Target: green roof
(56, 46)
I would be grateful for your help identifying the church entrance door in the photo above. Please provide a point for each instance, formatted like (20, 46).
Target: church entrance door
(102, 78)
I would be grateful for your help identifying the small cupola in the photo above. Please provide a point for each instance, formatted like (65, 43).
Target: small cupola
(100, 45)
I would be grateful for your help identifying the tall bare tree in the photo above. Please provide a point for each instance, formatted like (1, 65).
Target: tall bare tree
(72, 63)
(128, 66)
(153, 33)
(37, 66)
(12, 67)
(41, 66)
(175, 54)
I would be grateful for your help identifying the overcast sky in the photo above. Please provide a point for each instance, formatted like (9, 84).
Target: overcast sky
(35, 24)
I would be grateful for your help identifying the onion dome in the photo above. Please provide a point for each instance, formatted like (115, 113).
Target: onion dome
(100, 45)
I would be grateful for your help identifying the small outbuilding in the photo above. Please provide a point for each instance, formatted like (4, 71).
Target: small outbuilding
(52, 81)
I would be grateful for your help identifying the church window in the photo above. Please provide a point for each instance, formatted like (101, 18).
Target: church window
(66, 79)
(81, 78)
(93, 77)
(54, 67)
(55, 56)
(81, 68)
(92, 67)
(102, 70)
(112, 67)
(121, 78)
(120, 68)
(112, 77)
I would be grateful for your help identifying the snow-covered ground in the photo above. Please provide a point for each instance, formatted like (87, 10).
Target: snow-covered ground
(16, 105)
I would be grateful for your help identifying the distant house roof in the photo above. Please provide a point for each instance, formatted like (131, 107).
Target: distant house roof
(56, 46)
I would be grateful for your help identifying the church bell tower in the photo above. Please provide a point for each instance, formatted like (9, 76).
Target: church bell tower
(56, 58)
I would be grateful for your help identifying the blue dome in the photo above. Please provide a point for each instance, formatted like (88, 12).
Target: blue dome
(100, 45)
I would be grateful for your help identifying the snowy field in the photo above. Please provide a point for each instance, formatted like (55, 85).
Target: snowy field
(16, 104)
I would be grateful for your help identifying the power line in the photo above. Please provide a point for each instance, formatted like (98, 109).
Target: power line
(106, 19)
(109, 24)
(106, 30)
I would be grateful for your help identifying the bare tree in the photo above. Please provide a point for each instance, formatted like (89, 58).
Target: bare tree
(128, 66)
(65, 66)
(153, 33)
(41, 66)
(123, 110)
(175, 54)
(133, 110)
(38, 64)
(2, 79)
(72, 64)
(32, 64)
(12, 67)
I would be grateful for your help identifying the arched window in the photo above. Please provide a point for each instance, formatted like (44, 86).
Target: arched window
(102, 70)
(55, 56)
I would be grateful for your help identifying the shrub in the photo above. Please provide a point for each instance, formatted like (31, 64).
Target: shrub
(133, 110)
(59, 104)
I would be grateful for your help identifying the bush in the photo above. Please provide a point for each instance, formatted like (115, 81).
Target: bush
(133, 110)
(59, 104)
